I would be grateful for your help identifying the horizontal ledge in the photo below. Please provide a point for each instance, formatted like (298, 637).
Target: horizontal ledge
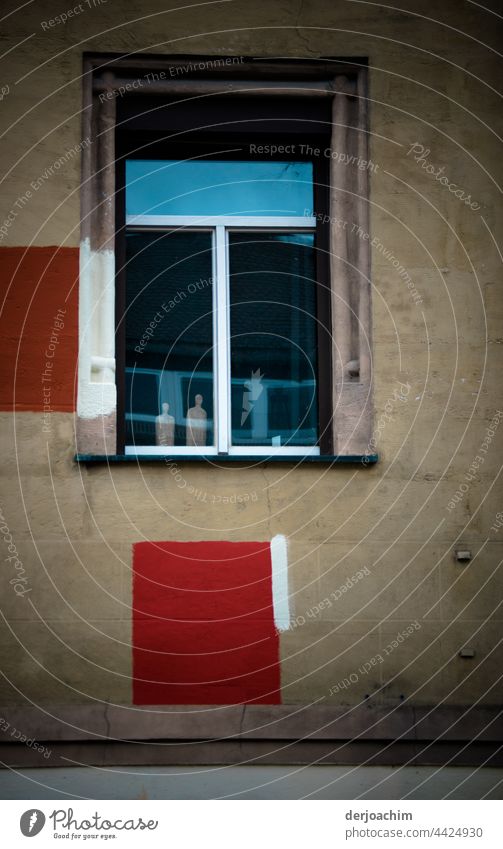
(221, 752)
(113, 88)
(328, 459)
(325, 67)
(102, 722)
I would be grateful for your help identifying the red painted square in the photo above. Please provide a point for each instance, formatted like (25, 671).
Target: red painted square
(203, 624)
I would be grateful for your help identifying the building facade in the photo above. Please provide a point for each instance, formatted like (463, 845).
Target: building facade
(334, 594)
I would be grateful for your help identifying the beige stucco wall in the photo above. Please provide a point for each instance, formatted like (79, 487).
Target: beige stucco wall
(431, 82)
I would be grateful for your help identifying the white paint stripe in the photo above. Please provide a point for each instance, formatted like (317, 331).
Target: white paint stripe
(280, 598)
(97, 392)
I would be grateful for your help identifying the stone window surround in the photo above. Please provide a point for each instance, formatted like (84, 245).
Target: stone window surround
(346, 84)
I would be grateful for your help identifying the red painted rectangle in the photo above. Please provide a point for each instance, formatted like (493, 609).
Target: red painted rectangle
(203, 624)
(39, 328)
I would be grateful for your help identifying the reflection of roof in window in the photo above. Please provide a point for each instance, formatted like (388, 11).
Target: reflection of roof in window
(272, 289)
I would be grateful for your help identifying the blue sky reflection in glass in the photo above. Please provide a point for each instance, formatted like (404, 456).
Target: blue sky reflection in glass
(207, 188)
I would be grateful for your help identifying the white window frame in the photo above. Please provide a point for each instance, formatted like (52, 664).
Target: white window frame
(220, 226)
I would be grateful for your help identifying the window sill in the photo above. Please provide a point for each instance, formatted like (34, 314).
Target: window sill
(328, 459)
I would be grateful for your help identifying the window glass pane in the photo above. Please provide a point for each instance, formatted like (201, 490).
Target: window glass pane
(169, 339)
(273, 339)
(171, 187)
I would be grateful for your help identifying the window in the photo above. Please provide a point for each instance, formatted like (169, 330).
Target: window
(221, 325)
(224, 284)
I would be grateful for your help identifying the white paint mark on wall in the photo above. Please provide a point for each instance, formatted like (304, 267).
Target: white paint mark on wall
(280, 597)
(97, 392)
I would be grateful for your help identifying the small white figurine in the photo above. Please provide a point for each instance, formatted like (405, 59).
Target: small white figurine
(165, 427)
(196, 423)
